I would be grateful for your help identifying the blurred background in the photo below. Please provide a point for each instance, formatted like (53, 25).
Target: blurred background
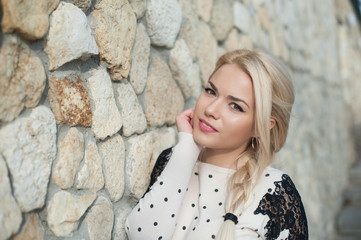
(89, 91)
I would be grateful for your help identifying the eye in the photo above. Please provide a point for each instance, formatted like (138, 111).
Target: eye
(210, 91)
(236, 107)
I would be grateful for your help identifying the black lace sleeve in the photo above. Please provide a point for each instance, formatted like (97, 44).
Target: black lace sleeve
(285, 209)
(160, 164)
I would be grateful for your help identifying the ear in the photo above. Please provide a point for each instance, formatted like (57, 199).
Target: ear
(272, 123)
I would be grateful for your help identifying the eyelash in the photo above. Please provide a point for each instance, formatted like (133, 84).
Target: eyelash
(233, 105)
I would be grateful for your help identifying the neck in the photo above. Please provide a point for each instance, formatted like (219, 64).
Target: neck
(220, 158)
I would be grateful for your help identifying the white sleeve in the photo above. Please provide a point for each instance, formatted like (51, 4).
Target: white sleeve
(155, 215)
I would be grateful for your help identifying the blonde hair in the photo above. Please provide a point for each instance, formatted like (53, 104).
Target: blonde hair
(274, 98)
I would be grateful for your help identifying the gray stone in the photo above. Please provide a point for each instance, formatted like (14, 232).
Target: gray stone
(349, 220)
(180, 62)
(84, 5)
(31, 229)
(22, 77)
(119, 224)
(221, 18)
(232, 41)
(352, 195)
(207, 52)
(70, 154)
(10, 212)
(100, 219)
(164, 18)
(106, 117)
(30, 18)
(241, 17)
(133, 117)
(197, 83)
(30, 169)
(163, 139)
(139, 7)
(204, 9)
(189, 28)
(69, 101)
(90, 175)
(355, 174)
(160, 104)
(65, 210)
(69, 36)
(140, 53)
(115, 34)
(138, 158)
(112, 151)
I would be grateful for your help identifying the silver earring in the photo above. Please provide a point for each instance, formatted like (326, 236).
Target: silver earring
(257, 142)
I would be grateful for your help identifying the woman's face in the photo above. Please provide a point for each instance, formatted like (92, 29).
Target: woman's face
(224, 113)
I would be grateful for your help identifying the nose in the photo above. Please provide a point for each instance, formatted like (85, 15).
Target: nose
(213, 109)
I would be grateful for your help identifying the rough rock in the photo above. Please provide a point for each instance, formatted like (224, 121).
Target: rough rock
(204, 9)
(10, 212)
(221, 18)
(65, 210)
(265, 21)
(70, 154)
(189, 28)
(133, 117)
(69, 36)
(241, 17)
(115, 34)
(100, 219)
(69, 101)
(22, 77)
(84, 5)
(164, 18)
(30, 230)
(207, 52)
(140, 53)
(163, 139)
(232, 42)
(106, 118)
(139, 7)
(90, 176)
(30, 18)
(139, 154)
(349, 220)
(180, 62)
(30, 170)
(112, 151)
(119, 223)
(197, 83)
(160, 104)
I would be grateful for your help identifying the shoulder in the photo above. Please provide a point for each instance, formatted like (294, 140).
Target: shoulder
(280, 201)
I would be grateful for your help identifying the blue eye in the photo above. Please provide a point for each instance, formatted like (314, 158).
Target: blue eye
(236, 107)
(209, 91)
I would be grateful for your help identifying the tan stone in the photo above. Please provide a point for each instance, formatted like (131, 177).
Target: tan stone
(119, 223)
(204, 9)
(70, 154)
(140, 62)
(163, 139)
(106, 117)
(207, 52)
(221, 18)
(22, 77)
(100, 219)
(139, 154)
(30, 230)
(115, 34)
(163, 100)
(84, 5)
(112, 151)
(90, 176)
(232, 42)
(262, 15)
(10, 213)
(28, 145)
(30, 17)
(139, 7)
(69, 101)
(65, 210)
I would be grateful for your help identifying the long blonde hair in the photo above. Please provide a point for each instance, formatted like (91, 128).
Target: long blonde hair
(274, 98)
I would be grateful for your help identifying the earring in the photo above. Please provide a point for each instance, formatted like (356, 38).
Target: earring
(257, 142)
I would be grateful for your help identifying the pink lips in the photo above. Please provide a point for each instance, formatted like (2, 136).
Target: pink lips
(206, 126)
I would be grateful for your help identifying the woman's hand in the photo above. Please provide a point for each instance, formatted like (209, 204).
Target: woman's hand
(184, 121)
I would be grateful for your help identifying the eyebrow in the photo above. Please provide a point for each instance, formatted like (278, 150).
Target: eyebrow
(229, 96)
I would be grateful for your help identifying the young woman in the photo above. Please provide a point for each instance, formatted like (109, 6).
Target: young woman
(217, 182)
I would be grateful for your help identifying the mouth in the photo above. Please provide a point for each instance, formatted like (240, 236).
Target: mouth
(206, 126)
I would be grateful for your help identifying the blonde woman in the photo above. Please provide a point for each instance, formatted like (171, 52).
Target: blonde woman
(216, 183)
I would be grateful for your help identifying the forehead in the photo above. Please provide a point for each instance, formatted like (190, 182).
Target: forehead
(232, 80)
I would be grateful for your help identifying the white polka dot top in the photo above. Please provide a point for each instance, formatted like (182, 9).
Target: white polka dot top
(187, 201)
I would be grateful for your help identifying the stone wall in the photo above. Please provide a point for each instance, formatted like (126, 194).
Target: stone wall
(90, 90)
